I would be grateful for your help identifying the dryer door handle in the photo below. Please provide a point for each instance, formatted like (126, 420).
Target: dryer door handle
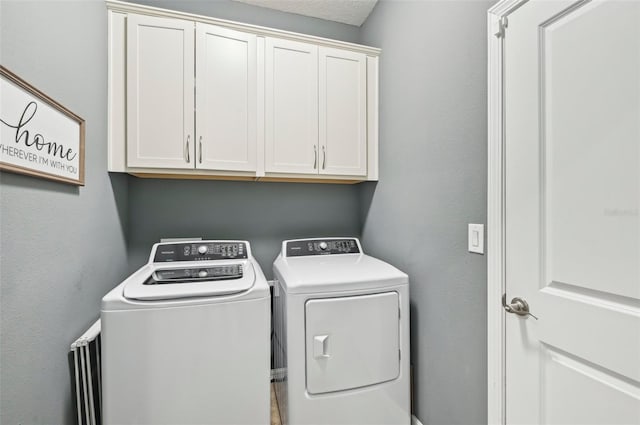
(320, 346)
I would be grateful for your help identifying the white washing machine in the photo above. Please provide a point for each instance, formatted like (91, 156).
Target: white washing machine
(186, 338)
(341, 335)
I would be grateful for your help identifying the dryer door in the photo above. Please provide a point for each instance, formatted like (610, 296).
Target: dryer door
(352, 341)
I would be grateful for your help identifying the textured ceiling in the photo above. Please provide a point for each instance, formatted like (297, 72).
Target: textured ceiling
(352, 12)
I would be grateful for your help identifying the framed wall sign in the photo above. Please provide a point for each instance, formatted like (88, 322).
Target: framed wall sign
(38, 136)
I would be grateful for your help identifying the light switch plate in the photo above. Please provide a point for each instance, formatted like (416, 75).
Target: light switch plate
(476, 238)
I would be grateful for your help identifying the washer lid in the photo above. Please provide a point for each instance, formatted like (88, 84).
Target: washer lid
(304, 275)
(187, 280)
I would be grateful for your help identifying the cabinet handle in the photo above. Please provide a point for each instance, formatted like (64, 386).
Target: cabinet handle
(315, 156)
(200, 150)
(187, 149)
(324, 157)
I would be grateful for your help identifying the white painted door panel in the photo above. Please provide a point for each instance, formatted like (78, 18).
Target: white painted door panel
(343, 112)
(226, 99)
(291, 107)
(351, 342)
(572, 134)
(160, 84)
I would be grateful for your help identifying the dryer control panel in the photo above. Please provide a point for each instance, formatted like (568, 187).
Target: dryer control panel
(303, 247)
(200, 251)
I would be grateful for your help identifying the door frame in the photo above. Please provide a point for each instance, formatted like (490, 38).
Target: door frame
(497, 23)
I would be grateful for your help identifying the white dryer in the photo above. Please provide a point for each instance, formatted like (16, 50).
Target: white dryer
(186, 338)
(341, 335)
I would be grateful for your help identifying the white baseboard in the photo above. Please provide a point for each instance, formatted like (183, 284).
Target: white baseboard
(415, 421)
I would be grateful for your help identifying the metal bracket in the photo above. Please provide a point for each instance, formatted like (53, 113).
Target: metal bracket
(503, 23)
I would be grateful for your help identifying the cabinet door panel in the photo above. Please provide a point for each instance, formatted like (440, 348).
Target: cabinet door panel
(226, 102)
(343, 112)
(291, 107)
(160, 61)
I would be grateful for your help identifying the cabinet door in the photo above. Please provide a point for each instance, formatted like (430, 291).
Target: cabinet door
(291, 107)
(343, 112)
(226, 102)
(160, 118)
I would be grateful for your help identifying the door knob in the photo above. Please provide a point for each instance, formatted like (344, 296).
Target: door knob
(517, 306)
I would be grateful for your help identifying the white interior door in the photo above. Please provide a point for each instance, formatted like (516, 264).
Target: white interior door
(572, 143)
(226, 99)
(291, 107)
(160, 63)
(343, 112)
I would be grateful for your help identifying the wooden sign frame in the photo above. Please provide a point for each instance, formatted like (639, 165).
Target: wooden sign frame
(32, 149)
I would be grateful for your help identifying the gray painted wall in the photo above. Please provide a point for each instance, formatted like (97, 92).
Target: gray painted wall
(263, 213)
(61, 247)
(432, 183)
(241, 12)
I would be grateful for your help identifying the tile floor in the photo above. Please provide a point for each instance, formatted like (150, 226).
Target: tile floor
(275, 411)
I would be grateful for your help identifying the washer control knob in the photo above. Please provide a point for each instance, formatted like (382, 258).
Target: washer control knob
(203, 273)
(202, 249)
(323, 245)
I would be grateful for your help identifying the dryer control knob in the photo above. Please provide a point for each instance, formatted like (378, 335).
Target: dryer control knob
(202, 249)
(203, 273)
(323, 245)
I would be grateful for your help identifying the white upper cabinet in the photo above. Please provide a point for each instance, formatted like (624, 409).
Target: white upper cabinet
(226, 99)
(343, 112)
(160, 62)
(291, 107)
(195, 96)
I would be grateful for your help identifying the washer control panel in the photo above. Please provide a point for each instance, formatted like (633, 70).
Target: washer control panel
(303, 247)
(200, 251)
(192, 275)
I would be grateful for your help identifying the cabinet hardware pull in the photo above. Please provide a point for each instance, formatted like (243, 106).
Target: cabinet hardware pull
(200, 149)
(324, 157)
(187, 149)
(315, 156)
